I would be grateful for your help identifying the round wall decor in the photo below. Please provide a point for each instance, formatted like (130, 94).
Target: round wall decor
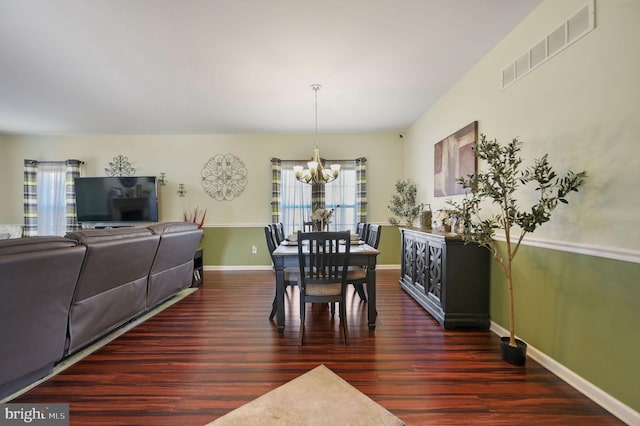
(224, 177)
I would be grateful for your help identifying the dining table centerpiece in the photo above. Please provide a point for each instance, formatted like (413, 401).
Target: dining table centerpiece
(321, 218)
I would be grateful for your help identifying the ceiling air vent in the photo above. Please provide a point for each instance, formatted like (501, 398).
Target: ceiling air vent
(570, 31)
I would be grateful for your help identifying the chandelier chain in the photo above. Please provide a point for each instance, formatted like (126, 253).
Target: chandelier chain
(315, 88)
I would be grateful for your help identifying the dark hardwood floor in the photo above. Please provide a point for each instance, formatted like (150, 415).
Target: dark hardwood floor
(216, 350)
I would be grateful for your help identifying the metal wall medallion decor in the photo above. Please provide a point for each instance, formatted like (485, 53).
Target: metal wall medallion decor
(224, 177)
(120, 166)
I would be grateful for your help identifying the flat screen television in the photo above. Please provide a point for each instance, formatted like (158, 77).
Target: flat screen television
(115, 200)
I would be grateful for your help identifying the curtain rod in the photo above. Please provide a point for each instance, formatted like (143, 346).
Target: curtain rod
(325, 159)
(52, 162)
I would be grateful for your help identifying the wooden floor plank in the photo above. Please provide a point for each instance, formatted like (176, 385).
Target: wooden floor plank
(216, 350)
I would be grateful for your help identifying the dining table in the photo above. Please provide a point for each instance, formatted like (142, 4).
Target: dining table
(360, 254)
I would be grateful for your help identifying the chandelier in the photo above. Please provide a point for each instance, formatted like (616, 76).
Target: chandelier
(315, 173)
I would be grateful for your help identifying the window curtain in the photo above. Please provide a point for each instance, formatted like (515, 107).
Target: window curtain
(50, 185)
(361, 187)
(49, 197)
(317, 197)
(30, 198)
(72, 170)
(276, 182)
(290, 198)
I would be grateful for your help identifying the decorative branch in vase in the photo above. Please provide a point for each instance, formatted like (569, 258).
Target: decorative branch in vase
(195, 216)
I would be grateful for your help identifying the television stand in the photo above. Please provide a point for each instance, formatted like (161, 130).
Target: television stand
(103, 226)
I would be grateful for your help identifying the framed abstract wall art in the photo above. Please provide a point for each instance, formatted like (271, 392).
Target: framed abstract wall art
(454, 158)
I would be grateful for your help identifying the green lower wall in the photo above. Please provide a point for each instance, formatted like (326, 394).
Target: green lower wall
(228, 246)
(231, 246)
(583, 311)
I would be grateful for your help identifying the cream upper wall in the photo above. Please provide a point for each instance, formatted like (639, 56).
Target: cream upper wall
(182, 157)
(581, 107)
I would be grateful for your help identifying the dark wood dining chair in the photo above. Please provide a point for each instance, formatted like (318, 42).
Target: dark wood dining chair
(323, 259)
(357, 275)
(308, 226)
(362, 229)
(291, 274)
(278, 232)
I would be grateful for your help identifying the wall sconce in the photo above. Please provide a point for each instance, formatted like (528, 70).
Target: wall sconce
(181, 191)
(163, 180)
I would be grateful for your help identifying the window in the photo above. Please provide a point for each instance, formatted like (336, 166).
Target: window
(51, 179)
(341, 196)
(295, 200)
(292, 201)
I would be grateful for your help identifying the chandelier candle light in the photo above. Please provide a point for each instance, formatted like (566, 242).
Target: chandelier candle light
(316, 173)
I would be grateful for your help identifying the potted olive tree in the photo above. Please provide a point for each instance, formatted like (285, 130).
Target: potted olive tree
(403, 203)
(500, 185)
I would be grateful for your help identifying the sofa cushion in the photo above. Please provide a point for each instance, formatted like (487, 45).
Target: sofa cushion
(169, 227)
(98, 235)
(172, 268)
(112, 287)
(5, 236)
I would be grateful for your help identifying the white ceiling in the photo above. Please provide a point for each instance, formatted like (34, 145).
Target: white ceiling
(237, 66)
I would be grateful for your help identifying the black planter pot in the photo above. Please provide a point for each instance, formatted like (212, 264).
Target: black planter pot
(515, 356)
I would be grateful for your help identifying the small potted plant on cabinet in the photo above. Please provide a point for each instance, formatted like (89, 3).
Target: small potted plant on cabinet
(500, 184)
(403, 203)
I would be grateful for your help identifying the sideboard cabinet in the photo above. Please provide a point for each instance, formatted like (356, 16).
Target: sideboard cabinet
(448, 278)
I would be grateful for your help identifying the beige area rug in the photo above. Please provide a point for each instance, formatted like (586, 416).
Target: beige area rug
(318, 397)
(74, 359)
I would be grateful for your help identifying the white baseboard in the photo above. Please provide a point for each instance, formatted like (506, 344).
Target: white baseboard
(588, 389)
(238, 268)
(267, 267)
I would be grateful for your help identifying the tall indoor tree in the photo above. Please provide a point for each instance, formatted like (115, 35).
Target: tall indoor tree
(492, 203)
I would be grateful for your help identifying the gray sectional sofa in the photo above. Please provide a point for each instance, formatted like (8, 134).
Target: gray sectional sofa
(61, 294)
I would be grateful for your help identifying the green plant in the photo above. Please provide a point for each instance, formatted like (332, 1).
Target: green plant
(403, 203)
(500, 184)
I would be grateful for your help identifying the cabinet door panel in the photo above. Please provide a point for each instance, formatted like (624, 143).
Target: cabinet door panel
(422, 265)
(435, 272)
(408, 256)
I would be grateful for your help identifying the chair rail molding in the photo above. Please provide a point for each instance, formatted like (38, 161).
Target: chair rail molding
(615, 253)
